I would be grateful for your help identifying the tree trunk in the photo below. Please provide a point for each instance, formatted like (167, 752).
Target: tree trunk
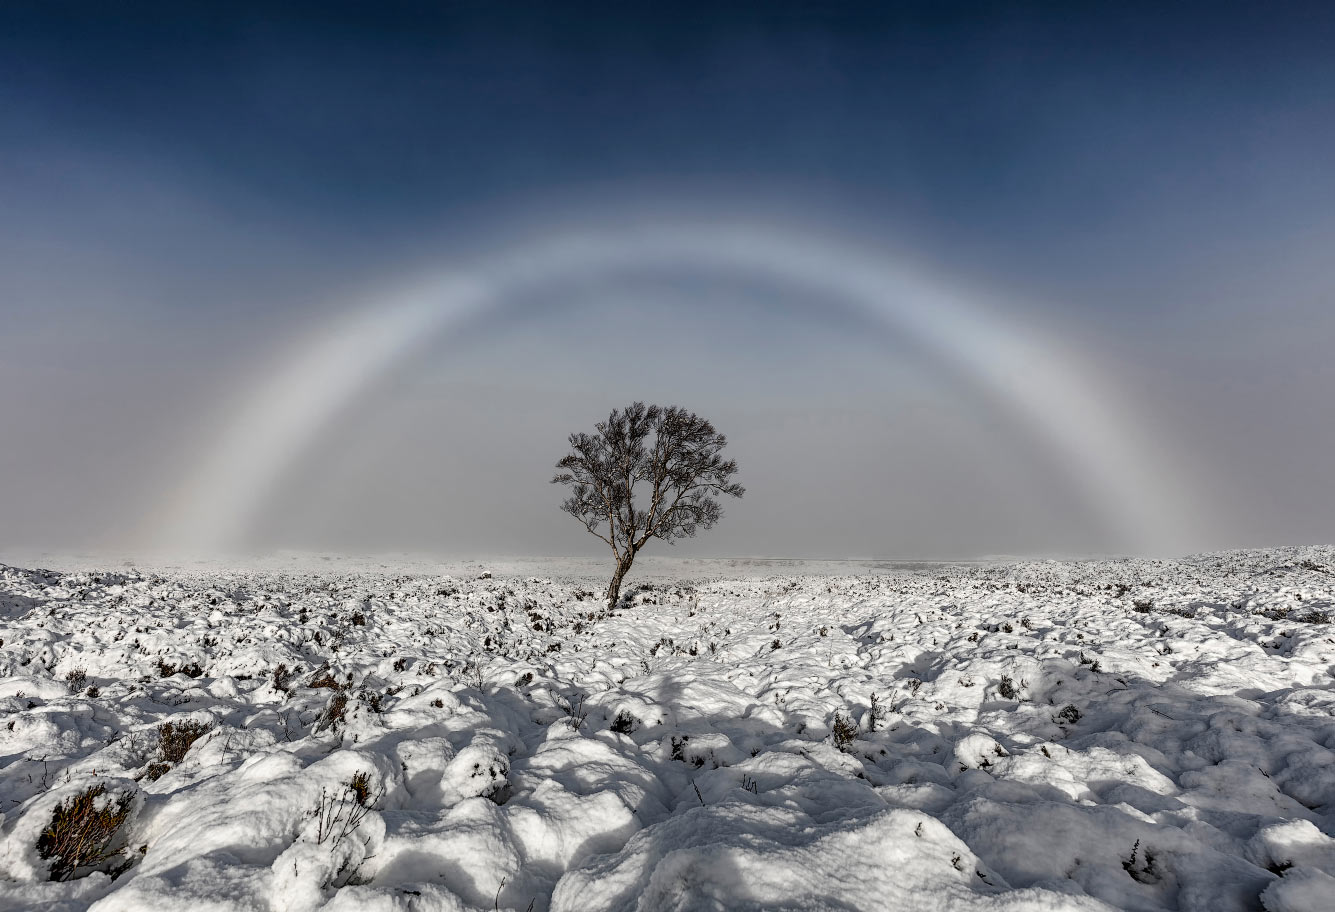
(614, 587)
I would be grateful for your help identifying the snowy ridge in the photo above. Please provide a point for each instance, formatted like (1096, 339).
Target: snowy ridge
(1043, 735)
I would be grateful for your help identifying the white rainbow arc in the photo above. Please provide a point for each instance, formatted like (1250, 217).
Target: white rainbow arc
(1065, 406)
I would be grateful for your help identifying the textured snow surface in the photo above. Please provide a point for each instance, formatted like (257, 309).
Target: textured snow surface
(1046, 735)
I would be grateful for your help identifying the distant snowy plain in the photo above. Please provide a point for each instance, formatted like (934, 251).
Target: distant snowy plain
(1047, 735)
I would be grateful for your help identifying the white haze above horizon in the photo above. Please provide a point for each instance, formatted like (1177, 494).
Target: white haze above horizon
(853, 442)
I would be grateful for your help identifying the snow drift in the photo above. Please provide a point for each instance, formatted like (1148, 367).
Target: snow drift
(1126, 734)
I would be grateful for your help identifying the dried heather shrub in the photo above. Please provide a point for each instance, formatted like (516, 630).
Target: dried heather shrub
(844, 732)
(323, 678)
(174, 742)
(81, 831)
(334, 712)
(360, 786)
(282, 677)
(175, 739)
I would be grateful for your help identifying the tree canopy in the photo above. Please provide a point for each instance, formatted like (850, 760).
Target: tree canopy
(648, 471)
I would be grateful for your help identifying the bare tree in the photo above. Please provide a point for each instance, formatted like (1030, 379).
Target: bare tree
(647, 472)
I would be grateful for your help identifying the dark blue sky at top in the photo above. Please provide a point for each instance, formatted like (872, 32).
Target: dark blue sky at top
(1014, 128)
(187, 188)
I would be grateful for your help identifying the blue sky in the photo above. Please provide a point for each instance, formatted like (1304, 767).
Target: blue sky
(190, 191)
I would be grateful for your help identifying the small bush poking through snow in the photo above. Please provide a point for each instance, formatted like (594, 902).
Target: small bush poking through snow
(1068, 714)
(360, 786)
(1007, 688)
(624, 723)
(334, 711)
(81, 830)
(174, 741)
(844, 732)
(1142, 870)
(574, 710)
(76, 679)
(335, 817)
(282, 677)
(175, 738)
(166, 669)
(323, 678)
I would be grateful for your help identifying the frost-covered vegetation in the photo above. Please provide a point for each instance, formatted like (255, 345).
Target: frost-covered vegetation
(1133, 734)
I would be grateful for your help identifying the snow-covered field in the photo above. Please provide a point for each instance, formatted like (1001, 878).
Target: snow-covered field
(1128, 734)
